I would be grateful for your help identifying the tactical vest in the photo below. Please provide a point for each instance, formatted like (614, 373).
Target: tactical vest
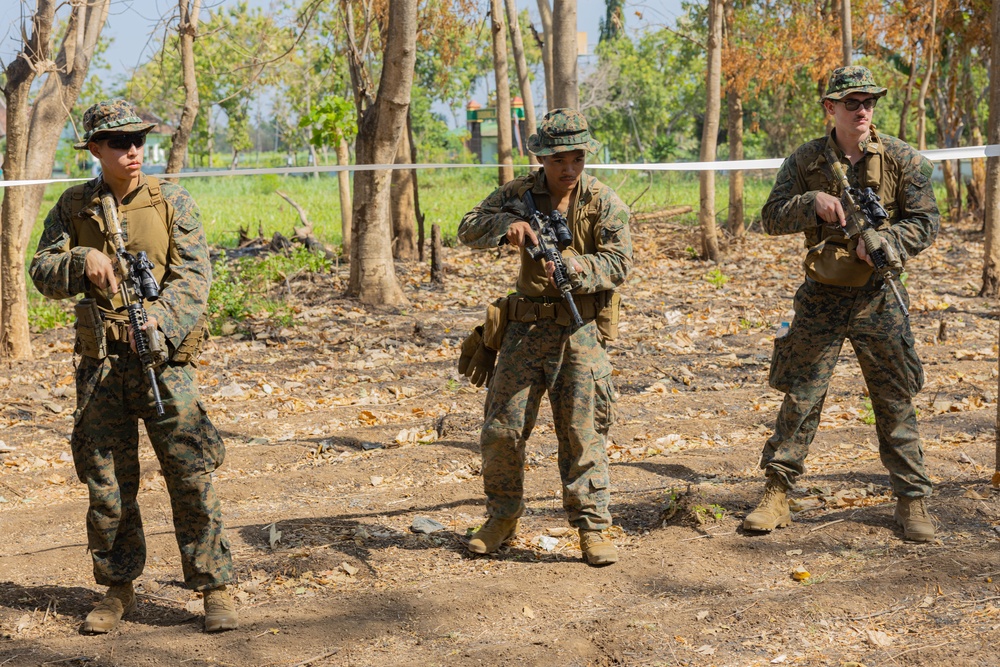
(146, 225)
(832, 259)
(582, 218)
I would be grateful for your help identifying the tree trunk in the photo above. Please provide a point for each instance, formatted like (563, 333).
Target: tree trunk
(991, 259)
(418, 212)
(565, 86)
(401, 204)
(58, 94)
(437, 264)
(504, 140)
(545, 13)
(373, 277)
(523, 75)
(846, 38)
(736, 212)
(908, 92)
(344, 181)
(187, 32)
(926, 82)
(710, 132)
(14, 335)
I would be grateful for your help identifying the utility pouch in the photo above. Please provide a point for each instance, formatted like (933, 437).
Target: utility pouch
(190, 347)
(607, 316)
(782, 369)
(832, 263)
(90, 338)
(496, 323)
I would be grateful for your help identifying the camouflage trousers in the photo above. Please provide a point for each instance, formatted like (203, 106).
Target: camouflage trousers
(574, 369)
(804, 361)
(112, 395)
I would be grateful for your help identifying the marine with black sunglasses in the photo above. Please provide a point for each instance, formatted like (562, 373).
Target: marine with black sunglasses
(76, 256)
(842, 297)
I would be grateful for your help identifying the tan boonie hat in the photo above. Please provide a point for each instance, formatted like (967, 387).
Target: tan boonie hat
(853, 79)
(111, 117)
(562, 130)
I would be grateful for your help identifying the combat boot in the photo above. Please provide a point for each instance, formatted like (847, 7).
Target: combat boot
(772, 512)
(597, 548)
(912, 515)
(118, 601)
(493, 533)
(220, 610)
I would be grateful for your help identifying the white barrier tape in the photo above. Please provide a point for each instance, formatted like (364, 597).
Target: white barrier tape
(962, 153)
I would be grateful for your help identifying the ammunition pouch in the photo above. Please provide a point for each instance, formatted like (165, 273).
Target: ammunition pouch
(496, 323)
(90, 334)
(835, 262)
(190, 347)
(604, 307)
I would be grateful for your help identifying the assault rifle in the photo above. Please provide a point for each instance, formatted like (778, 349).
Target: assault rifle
(137, 285)
(553, 236)
(864, 213)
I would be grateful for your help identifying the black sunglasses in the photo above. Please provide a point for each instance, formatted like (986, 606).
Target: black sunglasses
(123, 142)
(853, 104)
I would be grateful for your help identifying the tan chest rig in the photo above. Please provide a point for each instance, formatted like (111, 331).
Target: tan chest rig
(146, 226)
(832, 258)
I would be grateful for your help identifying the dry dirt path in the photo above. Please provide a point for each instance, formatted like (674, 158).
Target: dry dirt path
(344, 429)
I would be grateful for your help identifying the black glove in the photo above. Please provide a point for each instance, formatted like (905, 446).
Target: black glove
(477, 361)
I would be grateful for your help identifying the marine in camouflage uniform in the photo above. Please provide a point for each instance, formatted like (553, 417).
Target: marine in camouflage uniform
(540, 351)
(75, 256)
(843, 298)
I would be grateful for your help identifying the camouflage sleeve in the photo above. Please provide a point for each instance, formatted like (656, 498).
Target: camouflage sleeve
(789, 208)
(609, 266)
(184, 292)
(919, 219)
(57, 270)
(486, 224)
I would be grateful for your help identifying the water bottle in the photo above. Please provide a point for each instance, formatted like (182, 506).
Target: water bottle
(782, 330)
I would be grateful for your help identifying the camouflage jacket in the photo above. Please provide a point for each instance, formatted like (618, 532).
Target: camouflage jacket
(891, 167)
(597, 218)
(176, 246)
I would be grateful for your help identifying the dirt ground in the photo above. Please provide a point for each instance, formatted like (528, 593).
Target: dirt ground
(346, 428)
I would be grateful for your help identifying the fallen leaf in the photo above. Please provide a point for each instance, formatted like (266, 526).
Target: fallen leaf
(878, 638)
(800, 574)
(528, 611)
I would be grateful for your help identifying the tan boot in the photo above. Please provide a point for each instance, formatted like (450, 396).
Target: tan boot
(493, 533)
(597, 548)
(912, 515)
(772, 512)
(118, 601)
(220, 610)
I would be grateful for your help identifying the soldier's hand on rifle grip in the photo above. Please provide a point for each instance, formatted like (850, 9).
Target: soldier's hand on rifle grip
(829, 209)
(518, 231)
(100, 271)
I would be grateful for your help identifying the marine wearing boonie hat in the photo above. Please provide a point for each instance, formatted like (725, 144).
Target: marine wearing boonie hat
(852, 79)
(111, 117)
(562, 130)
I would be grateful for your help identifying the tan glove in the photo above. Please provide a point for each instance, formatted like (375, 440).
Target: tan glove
(873, 241)
(476, 361)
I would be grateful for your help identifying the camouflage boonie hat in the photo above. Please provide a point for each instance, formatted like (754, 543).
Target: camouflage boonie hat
(853, 79)
(111, 117)
(562, 130)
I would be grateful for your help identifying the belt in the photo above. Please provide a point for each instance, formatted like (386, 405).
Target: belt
(531, 309)
(874, 284)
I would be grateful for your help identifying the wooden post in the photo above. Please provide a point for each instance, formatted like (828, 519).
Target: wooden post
(437, 268)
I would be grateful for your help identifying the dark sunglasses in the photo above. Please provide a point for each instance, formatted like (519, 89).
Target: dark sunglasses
(853, 104)
(123, 142)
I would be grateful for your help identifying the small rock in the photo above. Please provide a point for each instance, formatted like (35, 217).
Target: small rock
(370, 445)
(233, 390)
(546, 543)
(425, 525)
(348, 568)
